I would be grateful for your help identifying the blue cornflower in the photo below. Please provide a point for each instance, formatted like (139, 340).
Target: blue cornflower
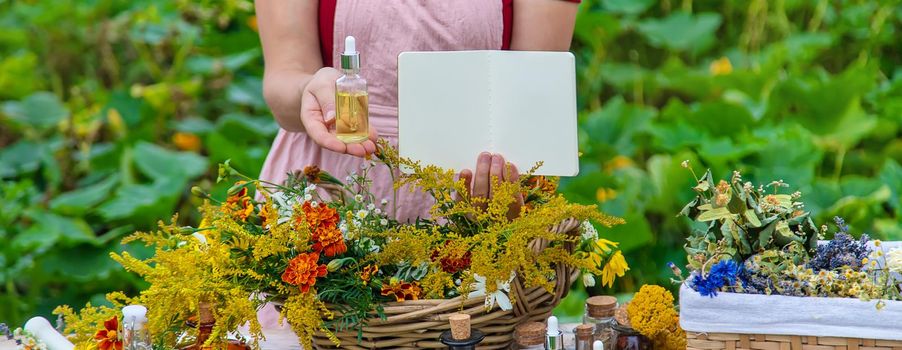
(723, 273)
(703, 286)
(726, 271)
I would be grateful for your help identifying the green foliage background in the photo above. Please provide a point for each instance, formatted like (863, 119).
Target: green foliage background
(111, 110)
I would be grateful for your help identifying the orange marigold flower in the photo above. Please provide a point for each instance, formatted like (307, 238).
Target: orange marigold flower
(329, 241)
(402, 290)
(303, 270)
(108, 338)
(452, 263)
(238, 203)
(368, 272)
(311, 172)
(320, 215)
(542, 183)
(186, 141)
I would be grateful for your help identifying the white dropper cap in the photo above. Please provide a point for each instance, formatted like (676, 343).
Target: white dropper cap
(350, 58)
(598, 345)
(552, 329)
(350, 45)
(134, 313)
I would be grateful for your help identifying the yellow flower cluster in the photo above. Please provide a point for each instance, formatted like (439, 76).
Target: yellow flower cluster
(651, 313)
(244, 249)
(185, 271)
(84, 323)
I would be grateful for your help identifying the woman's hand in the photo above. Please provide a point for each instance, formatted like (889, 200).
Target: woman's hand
(490, 166)
(318, 115)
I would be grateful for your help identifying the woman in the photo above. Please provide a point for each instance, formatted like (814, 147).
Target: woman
(302, 40)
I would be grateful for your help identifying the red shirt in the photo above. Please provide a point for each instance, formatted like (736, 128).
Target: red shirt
(327, 22)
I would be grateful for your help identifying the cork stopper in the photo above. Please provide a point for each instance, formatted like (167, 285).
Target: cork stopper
(584, 331)
(460, 326)
(601, 306)
(530, 333)
(205, 313)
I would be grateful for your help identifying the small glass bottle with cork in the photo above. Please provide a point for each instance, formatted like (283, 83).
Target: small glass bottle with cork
(585, 336)
(529, 336)
(600, 313)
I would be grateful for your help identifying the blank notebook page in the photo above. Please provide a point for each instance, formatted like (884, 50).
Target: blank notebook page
(454, 105)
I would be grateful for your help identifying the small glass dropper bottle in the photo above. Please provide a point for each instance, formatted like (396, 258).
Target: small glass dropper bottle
(351, 100)
(135, 336)
(554, 338)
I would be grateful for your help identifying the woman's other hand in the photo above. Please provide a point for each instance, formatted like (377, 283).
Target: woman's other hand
(318, 115)
(489, 166)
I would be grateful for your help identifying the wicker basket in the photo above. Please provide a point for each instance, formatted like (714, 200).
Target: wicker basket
(703, 341)
(417, 324)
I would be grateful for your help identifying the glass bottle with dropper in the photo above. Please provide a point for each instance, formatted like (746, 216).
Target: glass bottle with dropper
(135, 336)
(351, 100)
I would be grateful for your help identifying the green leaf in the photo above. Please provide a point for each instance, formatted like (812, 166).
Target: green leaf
(143, 204)
(634, 234)
(682, 31)
(715, 214)
(629, 7)
(19, 158)
(79, 201)
(752, 218)
(41, 111)
(891, 175)
(49, 229)
(230, 63)
(246, 91)
(19, 75)
(81, 264)
(617, 124)
(194, 125)
(159, 163)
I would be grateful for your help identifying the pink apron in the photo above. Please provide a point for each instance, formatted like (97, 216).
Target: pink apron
(383, 30)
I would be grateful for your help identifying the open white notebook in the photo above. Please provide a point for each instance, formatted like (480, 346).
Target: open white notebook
(454, 105)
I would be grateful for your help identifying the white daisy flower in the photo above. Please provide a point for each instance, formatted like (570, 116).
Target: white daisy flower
(383, 222)
(504, 302)
(370, 206)
(358, 198)
(361, 214)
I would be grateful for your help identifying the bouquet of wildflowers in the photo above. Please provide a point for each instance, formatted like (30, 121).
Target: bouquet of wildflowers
(762, 241)
(331, 255)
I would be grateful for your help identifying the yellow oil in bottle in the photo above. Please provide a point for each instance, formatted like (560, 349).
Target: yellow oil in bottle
(351, 116)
